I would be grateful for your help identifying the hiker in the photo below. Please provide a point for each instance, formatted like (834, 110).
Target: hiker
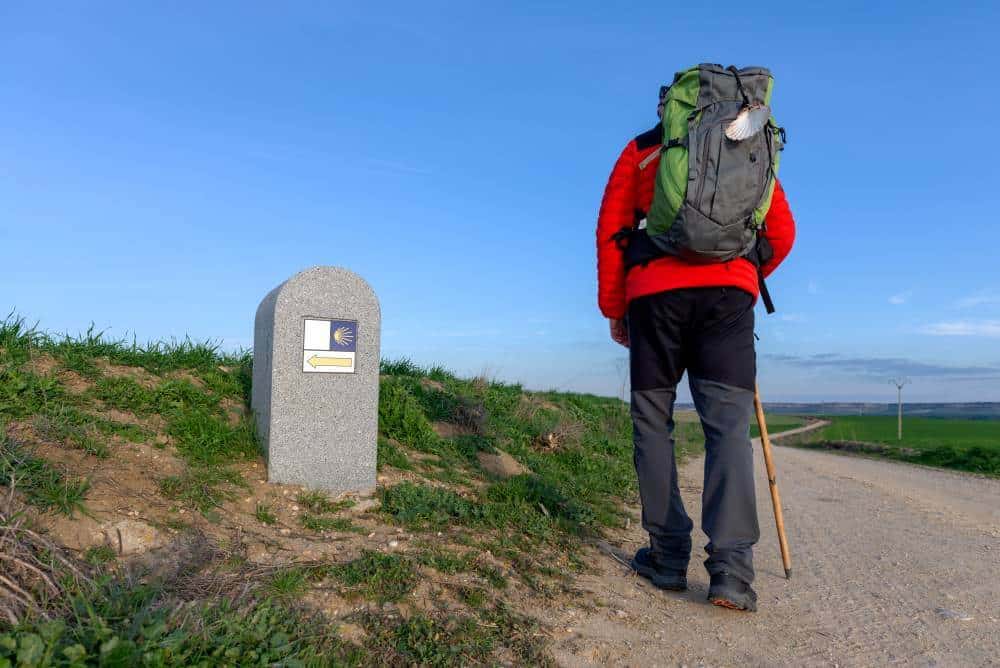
(679, 303)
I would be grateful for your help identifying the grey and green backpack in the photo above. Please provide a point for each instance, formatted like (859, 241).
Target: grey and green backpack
(718, 163)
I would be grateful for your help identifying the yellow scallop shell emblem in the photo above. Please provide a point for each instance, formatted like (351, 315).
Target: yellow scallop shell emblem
(343, 336)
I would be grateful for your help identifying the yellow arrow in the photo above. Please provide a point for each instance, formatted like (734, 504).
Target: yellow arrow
(317, 360)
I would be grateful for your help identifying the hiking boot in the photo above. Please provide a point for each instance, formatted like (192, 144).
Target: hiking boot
(728, 591)
(645, 564)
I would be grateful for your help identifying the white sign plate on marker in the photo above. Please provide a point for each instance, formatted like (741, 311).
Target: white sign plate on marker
(329, 346)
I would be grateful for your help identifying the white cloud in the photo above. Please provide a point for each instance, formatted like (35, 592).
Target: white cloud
(988, 328)
(900, 298)
(983, 298)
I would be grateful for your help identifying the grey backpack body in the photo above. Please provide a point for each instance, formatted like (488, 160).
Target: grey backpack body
(712, 192)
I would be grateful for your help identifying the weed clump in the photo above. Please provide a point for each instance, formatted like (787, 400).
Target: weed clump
(264, 514)
(457, 640)
(391, 455)
(401, 417)
(377, 577)
(321, 524)
(42, 484)
(423, 506)
(203, 488)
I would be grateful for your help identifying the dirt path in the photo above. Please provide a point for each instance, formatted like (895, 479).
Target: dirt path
(892, 564)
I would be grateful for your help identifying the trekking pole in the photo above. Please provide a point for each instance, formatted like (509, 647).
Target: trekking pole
(779, 520)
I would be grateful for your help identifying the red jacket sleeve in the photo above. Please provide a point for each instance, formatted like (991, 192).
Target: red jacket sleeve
(617, 211)
(779, 228)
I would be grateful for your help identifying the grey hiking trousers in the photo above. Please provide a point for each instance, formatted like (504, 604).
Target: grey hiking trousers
(707, 332)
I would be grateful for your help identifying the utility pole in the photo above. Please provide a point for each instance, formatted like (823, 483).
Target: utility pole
(899, 383)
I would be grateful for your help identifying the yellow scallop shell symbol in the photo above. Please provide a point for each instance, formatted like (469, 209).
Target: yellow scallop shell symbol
(343, 336)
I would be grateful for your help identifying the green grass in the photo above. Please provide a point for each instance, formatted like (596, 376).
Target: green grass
(966, 445)
(457, 640)
(320, 524)
(265, 514)
(23, 393)
(41, 484)
(390, 455)
(288, 584)
(584, 481)
(202, 488)
(318, 502)
(66, 426)
(99, 555)
(377, 577)
(204, 433)
(401, 417)
(119, 623)
(577, 449)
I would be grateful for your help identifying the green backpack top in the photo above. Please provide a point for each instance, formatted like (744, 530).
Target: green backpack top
(717, 168)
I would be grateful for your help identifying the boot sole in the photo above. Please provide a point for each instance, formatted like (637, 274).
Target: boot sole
(729, 604)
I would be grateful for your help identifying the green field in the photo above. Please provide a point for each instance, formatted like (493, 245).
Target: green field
(967, 445)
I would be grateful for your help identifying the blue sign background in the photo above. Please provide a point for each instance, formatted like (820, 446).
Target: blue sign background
(349, 336)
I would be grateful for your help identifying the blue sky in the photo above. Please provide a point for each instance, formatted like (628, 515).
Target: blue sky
(164, 165)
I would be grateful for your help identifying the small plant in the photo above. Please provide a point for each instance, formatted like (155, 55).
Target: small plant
(69, 426)
(23, 393)
(493, 575)
(318, 502)
(320, 524)
(423, 505)
(202, 488)
(390, 455)
(377, 577)
(447, 562)
(99, 555)
(124, 394)
(203, 437)
(474, 597)
(401, 417)
(288, 583)
(264, 514)
(42, 485)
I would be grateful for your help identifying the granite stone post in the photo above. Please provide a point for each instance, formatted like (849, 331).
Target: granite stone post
(315, 380)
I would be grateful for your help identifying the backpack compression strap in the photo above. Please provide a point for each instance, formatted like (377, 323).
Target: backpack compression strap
(760, 255)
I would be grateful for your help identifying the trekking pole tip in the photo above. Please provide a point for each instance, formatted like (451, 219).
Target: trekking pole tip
(788, 573)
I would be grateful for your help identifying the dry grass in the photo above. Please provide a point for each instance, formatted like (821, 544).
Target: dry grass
(36, 574)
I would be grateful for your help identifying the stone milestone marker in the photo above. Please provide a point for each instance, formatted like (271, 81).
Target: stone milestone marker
(315, 380)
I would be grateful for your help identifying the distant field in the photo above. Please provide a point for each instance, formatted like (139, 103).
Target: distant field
(967, 445)
(919, 433)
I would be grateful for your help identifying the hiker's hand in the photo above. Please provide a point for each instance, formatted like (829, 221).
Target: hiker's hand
(619, 332)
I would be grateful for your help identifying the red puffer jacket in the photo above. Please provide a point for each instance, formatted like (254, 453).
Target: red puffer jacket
(630, 188)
